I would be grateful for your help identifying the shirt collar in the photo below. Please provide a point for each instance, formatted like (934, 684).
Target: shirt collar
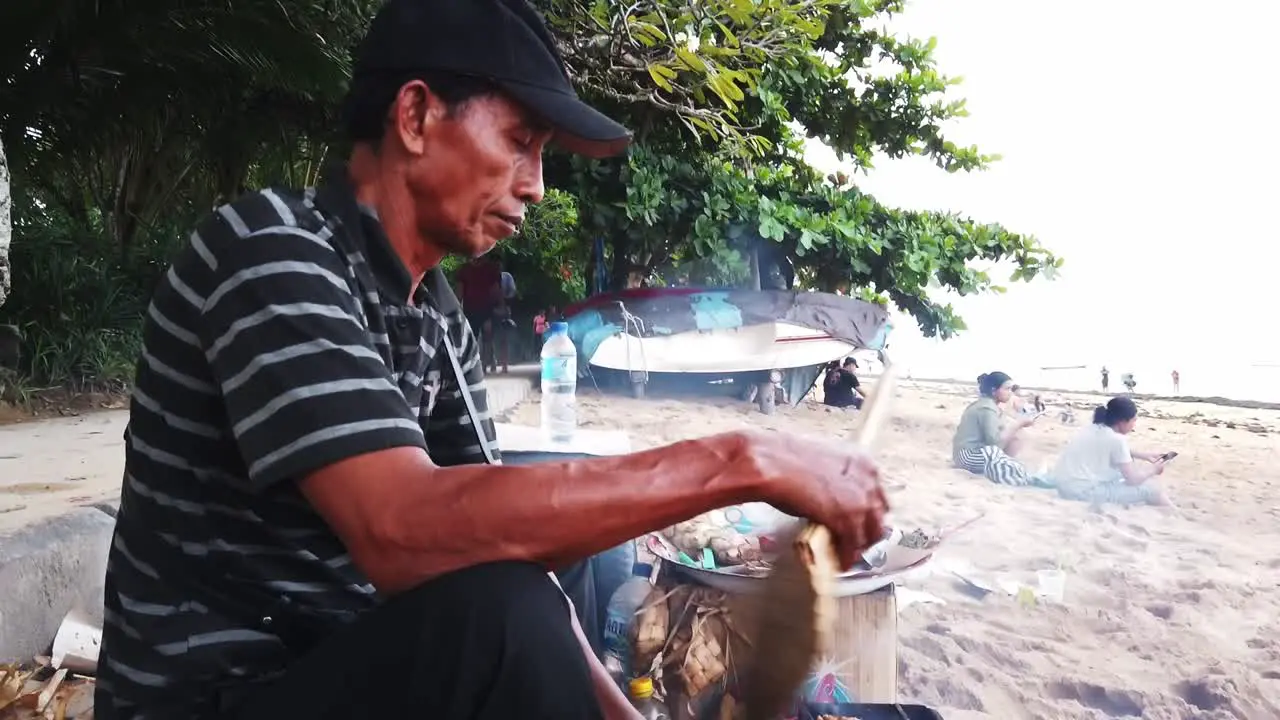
(337, 197)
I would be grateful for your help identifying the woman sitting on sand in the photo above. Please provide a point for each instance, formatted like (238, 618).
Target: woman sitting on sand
(980, 446)
(1097, 466)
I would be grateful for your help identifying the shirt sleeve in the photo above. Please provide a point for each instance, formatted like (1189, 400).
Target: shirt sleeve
(450, 433)
(288, 344)
(1120, 453)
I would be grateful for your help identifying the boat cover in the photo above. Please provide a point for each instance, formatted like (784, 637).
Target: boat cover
(667, 311)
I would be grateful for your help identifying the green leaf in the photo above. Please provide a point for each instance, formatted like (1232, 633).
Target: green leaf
(659, 79)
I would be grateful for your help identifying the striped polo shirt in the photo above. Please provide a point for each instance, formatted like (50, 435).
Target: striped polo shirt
(282, 339)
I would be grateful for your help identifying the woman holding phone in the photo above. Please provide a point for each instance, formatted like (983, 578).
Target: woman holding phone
(1097, 466)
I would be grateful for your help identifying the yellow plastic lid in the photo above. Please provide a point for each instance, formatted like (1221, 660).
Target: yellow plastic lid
(641, 688)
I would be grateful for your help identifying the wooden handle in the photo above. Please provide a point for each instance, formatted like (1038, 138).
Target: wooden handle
(876, 409)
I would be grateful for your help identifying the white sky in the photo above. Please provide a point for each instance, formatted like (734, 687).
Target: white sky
(1139, 142)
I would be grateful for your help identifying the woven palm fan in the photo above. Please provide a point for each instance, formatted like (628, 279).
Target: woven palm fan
(797, 610)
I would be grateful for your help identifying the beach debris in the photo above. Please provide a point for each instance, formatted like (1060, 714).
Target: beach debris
(77, 643)
(918, 539)
(906, 597)
(40, 693)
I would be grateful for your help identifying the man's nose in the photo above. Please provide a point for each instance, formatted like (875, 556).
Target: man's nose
(528, 182)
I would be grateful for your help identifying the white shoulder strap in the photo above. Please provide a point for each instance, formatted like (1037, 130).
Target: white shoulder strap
(467, 399)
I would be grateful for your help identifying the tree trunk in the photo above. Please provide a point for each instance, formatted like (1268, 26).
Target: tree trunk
(6, 228)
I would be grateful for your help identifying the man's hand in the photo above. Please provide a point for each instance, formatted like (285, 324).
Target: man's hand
(1158, 466)
(833, 485)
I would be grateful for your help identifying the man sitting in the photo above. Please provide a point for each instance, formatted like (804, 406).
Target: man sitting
(841, 387)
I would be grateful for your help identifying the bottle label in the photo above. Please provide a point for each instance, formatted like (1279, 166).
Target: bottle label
(615, 631)
(560, 369)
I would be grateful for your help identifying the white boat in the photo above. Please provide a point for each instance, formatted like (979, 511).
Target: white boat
(756, 338)
(772, 346)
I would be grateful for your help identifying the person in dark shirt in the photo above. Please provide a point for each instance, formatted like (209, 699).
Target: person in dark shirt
(480, 288)
(841, 387)
(314, 520)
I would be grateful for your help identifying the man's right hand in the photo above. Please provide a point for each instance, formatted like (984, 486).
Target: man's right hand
(835, 485)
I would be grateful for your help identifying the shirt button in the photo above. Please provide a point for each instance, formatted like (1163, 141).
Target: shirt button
(266, 620)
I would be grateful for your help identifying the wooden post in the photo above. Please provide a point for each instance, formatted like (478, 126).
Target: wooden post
(862, 665)
(864, 651)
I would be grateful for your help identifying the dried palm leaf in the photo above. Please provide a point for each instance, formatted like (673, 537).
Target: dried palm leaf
(652, 627)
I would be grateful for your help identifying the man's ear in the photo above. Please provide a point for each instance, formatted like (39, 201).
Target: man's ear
(415, 112)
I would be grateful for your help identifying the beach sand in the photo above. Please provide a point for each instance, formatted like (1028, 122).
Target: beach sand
(1167, 616)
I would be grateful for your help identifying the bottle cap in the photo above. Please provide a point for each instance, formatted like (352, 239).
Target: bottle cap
(641, 688)
(559, 327)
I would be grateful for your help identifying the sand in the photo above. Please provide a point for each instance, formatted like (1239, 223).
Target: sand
(48, 465)
(1167, 616)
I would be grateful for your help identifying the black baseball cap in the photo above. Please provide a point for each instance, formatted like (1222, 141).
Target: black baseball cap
(502, 41)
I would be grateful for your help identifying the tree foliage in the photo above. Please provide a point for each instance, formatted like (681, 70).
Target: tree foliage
(127, 119)
(722, 95)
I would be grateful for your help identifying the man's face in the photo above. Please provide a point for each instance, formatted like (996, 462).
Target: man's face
(471, 170)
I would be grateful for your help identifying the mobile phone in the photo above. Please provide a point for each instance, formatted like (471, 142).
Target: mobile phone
(1168, 456)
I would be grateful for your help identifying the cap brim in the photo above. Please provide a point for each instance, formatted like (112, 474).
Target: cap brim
(578, 127)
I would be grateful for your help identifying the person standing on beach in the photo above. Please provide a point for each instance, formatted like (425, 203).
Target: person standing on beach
(1106, 378)
(539, 329)
(480, 287)
(1177, 390)
(1129, 381)
(315, 520)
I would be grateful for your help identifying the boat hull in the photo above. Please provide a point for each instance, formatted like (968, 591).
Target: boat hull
(751, 348)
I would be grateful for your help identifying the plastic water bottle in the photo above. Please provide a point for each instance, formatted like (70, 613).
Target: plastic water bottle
(559, 384)
(642, 699)
(618, 618)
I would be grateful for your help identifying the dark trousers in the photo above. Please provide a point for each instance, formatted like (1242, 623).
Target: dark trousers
(491, 642)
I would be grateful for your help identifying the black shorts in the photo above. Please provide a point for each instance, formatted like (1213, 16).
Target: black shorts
(477, 319)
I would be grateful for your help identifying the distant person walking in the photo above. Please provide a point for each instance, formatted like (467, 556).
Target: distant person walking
(539, 327)
(1106, 378)
(504, 323)
(1177, 388)
(1128, 381)
(480, 287)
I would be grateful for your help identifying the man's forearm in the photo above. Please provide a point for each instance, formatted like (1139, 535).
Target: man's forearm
(423, 521)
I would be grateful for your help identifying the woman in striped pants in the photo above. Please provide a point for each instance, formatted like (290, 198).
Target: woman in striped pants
(980, 445)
